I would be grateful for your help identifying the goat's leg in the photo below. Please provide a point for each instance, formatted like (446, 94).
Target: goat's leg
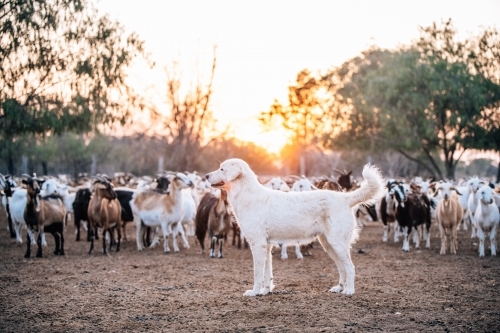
(427, 236)
(416, 236)
(442, 234)
(268, 272)
(259, 253)
(9, 220)
(297, 252)
(284, 255)
(174, 234)
(28, 245)
(180, 230)
(77, 228)
(386, 233)
(453, 240)
(56, 240)
(104, 240)
(138, 233)
(119, 237)
(91, 234)
(213, 239)
(493, 241)
(221, 241)
(396, 231)
(18, 227)
(406, 239)
(39, 245)
(61, 231)
(164, 229)
(480, 235)
(124, 232)
(96, 233)
(472, 227)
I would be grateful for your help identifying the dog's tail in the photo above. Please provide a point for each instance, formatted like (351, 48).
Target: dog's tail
(371, 190)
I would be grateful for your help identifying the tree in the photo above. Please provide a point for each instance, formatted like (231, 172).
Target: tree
(427, 99)
(189, 122)
(62, 67)
(303, 117)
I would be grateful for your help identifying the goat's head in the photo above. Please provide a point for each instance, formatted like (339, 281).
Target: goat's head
(7, 183)
(179, 180)
(399, 193)
(105, 188)
(49, 187)
(485, 194)
(475, 183)
(33, 185)
(344, 179)
(446, 189)
(302, 184)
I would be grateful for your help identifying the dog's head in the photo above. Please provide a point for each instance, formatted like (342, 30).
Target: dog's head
(230, 171)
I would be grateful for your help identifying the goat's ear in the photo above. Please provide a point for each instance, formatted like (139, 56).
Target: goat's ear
(453, 188)
(437, 191)
(491, 185)
(349, 173)
(25, 182)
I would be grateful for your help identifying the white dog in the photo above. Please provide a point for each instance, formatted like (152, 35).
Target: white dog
(270, 218)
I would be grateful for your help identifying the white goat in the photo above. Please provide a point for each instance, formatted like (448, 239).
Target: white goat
(474, 185)
(449, 214)
(486, 218)
(160, 209)
(278, 184)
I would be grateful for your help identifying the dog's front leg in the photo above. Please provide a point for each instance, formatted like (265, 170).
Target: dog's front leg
(259, 253)
(268, 272)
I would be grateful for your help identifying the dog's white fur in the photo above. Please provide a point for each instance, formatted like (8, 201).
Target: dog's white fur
(270, 218)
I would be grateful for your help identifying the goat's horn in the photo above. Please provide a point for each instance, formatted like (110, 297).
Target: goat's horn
(26, 175)
(337, 170)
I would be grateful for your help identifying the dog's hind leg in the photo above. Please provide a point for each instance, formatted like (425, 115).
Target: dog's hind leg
(268, 273)
(259, 253)
(344, 255)
(342, 275)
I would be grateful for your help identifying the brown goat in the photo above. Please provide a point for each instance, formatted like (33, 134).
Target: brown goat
(213, 215)
(104, 212)
(43, 215)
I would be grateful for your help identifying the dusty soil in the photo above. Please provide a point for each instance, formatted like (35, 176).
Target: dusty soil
(188, 292)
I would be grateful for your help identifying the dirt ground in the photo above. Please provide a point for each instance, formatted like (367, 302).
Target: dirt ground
(187, 292)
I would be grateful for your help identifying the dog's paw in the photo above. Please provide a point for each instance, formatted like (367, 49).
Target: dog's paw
(337, 289)
(348, 291)
(250, 293)
(266, 290)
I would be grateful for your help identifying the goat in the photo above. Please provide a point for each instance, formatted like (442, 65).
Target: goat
(449, 214)
(152, 208)
(388, 211)
(104, 212)
(474, 184)
(486, 218)
(124, 195)
(412, 210)
(278, 184)
(213, 215)
(43, 214)
(8, 185)
(80, 211)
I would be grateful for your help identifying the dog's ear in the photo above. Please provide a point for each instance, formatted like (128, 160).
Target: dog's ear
(234, 172)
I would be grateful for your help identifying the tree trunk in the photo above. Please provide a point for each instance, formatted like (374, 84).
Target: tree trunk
(498, 172)
(450, 170)
(44, 168)
(10, 164)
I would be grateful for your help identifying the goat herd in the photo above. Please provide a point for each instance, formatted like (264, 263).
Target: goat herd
(184, 204)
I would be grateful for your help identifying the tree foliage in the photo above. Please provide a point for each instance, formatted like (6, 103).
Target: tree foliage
(427, 101)
(62, 67)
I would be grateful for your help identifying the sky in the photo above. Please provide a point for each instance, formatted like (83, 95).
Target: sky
(262, 45)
